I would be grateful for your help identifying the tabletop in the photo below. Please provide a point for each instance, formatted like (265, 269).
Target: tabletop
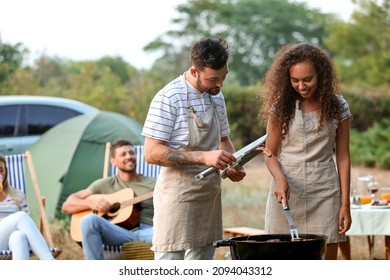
(370, 220)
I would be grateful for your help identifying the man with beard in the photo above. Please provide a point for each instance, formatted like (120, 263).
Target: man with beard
(96, 230)
(186, 131)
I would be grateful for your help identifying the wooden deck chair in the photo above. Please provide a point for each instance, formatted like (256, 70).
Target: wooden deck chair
(134, 250)
(16, 178)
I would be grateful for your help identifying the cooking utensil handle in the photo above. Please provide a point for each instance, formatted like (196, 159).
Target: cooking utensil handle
(221, 243)
(204, 173)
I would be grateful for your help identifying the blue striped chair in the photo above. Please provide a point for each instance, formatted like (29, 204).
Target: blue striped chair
(135, 249)
(16, 178)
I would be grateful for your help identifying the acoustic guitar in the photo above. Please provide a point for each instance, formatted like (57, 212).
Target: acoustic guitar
(123, 213)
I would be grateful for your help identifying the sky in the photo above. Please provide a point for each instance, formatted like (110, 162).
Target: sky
(91, 29)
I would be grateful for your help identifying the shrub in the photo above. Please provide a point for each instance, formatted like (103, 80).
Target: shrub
(371, 148)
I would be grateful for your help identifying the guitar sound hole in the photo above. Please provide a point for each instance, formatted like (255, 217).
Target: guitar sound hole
(115, 207)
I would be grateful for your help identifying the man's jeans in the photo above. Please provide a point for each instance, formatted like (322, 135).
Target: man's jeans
(97, 231)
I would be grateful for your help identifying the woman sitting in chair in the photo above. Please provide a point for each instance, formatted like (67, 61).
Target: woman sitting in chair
(18, 231)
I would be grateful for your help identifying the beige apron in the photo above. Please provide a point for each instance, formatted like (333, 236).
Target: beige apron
(306, 158)
(188, 213)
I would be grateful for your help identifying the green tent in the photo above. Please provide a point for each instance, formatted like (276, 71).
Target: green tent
(70, 156)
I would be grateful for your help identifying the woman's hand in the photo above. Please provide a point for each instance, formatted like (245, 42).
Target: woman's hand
(265, 151)
(282, 190)
(345, 219)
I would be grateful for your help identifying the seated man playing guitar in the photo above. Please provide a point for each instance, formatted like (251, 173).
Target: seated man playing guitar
(115, 209)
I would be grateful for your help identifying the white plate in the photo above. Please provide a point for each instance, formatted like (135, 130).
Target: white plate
(354, 206)
(379, 206)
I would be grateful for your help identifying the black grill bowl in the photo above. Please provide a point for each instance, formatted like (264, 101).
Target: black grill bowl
(276, 247)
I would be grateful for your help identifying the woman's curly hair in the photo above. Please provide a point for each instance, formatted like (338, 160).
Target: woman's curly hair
(278, 97)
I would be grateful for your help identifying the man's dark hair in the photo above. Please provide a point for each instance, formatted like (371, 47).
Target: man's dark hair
(119, 143)
(210, 53)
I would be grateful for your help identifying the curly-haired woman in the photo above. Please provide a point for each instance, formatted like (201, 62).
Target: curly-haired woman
(308, 135)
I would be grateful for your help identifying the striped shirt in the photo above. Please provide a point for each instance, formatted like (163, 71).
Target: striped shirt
(9, 205)
(167, 117)
(346, 113)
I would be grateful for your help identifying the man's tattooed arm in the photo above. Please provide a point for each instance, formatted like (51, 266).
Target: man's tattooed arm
(177, 158)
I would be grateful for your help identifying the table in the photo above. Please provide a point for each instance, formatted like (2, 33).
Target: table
(371, 221)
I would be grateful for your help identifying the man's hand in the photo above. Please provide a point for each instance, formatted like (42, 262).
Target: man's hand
(100, 205)
(235, 174)
(218, 158)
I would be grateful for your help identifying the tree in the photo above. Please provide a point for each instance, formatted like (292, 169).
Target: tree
(117, 66)
(11, 58)
(50, 70)
(362, 46)
(255, 30)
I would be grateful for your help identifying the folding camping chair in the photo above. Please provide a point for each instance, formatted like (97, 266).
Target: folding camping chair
(16, 178)
(134, 250)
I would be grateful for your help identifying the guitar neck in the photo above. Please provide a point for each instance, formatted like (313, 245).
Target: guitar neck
(137, 199)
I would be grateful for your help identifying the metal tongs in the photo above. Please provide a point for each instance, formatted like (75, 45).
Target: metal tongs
(293, 229)
(243, 156)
